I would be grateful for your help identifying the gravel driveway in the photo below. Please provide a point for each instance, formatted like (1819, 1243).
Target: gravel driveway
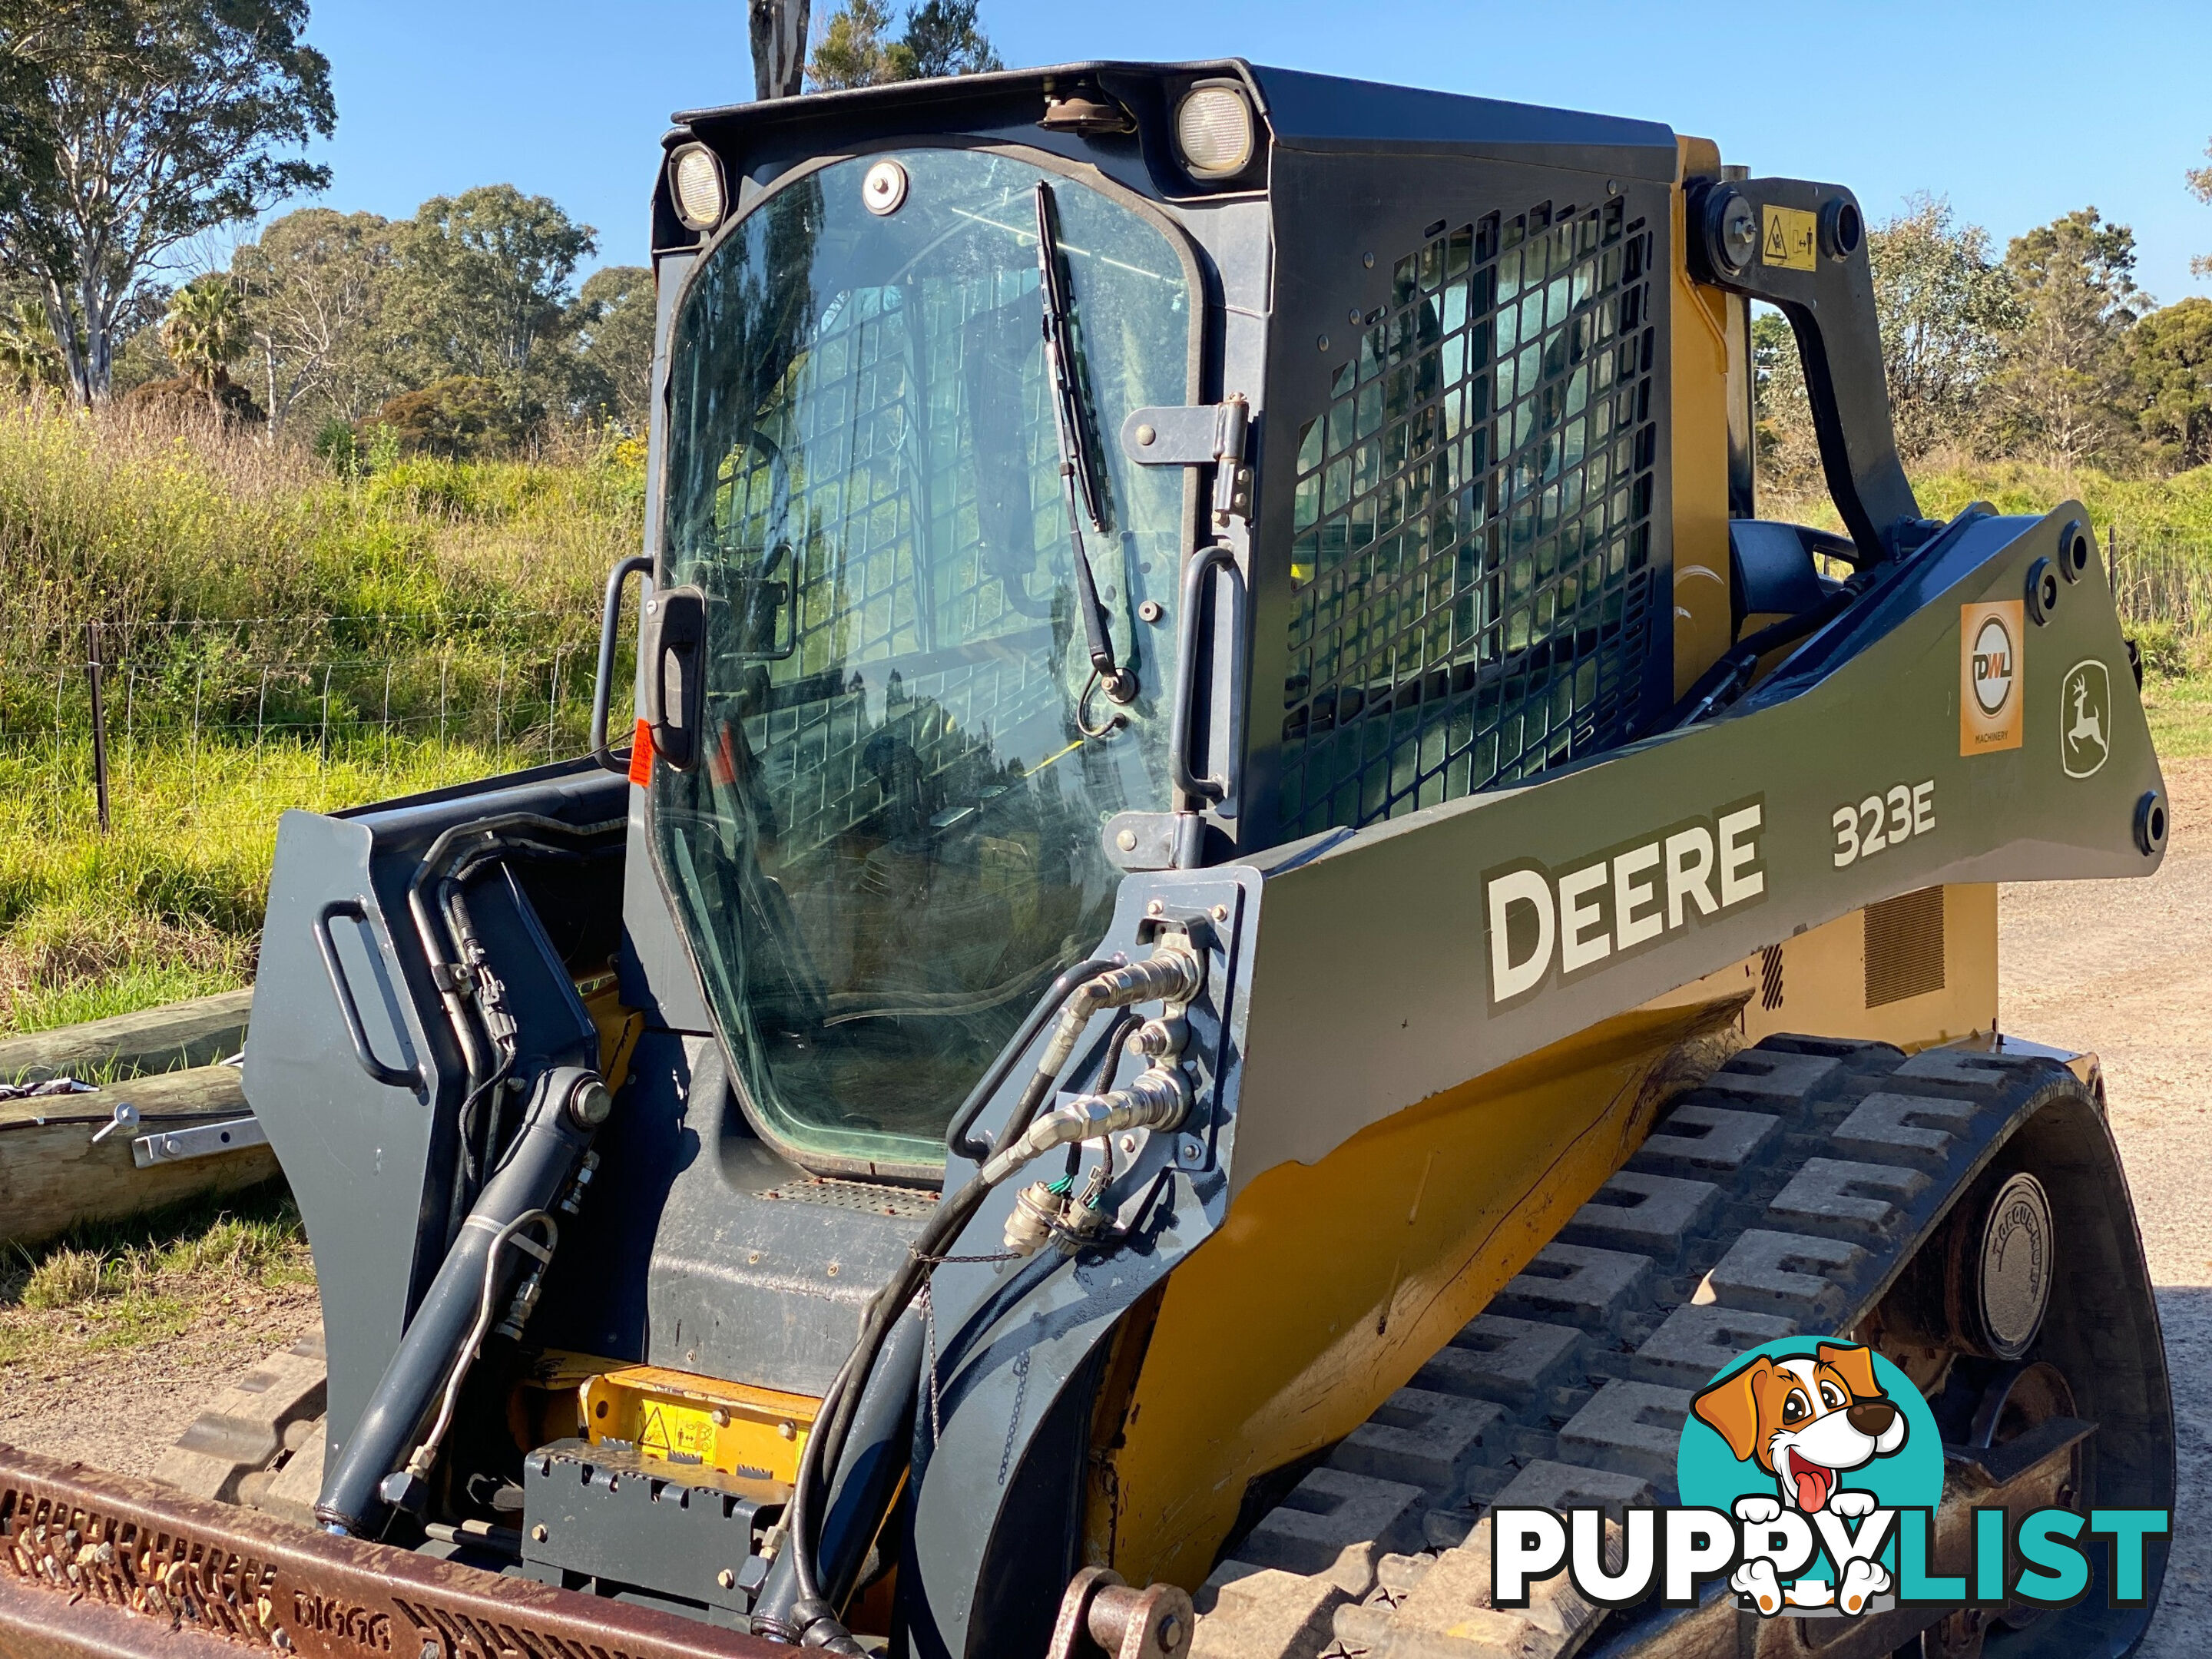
(2125, 968)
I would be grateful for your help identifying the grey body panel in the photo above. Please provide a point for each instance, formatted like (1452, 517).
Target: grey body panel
(1330, 114)
(369, 1163)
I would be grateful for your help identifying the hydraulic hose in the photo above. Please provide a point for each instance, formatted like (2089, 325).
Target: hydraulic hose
(1173, 974)
(876, 1449)
(566, 1108)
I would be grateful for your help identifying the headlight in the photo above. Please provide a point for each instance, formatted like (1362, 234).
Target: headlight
(1213, 130)
(696, 181)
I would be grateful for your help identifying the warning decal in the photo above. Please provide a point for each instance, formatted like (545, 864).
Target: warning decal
(1789, 237)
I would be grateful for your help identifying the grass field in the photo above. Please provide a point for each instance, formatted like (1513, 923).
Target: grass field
(278, 636)
(127, 1286)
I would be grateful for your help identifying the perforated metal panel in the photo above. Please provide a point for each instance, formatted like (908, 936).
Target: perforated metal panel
(1471, 567)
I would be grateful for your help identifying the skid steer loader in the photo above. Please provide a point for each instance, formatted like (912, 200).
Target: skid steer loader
(1251, 917)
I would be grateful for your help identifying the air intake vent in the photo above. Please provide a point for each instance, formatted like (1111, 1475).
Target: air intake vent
(1471, 560)
(1905, 947)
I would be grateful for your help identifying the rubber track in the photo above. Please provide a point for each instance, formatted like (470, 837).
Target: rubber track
(1780, 1197)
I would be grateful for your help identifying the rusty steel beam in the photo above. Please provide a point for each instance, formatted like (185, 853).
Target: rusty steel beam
(94, 1563)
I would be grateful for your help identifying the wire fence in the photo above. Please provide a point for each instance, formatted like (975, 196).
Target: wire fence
(153, 720)
(2162, 579)
(234, 690)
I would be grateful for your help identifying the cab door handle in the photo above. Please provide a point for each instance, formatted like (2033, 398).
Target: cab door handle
(674, 640)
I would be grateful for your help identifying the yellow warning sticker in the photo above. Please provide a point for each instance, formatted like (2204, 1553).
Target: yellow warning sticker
(1789, 237)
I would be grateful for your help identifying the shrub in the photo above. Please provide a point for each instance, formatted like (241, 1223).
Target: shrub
(459, 417)
(2164, 651)
(178, 398)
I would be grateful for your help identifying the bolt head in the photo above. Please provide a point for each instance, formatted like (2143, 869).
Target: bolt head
(788, 1430)
(1189, 1152)
(727, 1579)
(1221, 913)
(1151, 610)
(540, 1533)
(1129, 1144)
(1126, 841)
(1147, 436)
(718, 1418)
(1156, 907)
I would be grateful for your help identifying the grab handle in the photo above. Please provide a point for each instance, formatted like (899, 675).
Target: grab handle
(603, 688)
(356, 910)
(1217, 787)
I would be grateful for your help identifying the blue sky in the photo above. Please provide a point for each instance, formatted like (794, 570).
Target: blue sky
(2017, 111)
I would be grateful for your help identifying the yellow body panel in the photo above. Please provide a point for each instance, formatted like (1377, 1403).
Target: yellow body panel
(754, 1433)
(1329, 1284)
(1704, 620)
(1822, 982)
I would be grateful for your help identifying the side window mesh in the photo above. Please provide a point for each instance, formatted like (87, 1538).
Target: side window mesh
(1471, 564)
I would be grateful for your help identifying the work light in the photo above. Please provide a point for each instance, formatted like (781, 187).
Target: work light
(1213, 132)
(696, 179)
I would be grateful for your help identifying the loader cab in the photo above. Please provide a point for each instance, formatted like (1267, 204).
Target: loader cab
(1437, 539)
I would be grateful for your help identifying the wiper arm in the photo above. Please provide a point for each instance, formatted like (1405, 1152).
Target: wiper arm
(1079, 479)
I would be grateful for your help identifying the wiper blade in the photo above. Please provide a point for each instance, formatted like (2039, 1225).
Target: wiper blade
(1079, 479)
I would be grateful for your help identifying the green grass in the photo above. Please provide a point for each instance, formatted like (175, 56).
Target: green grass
(2180, 505)
(168, 904)
(2180, 711)
(369, 617)
(122, 1286)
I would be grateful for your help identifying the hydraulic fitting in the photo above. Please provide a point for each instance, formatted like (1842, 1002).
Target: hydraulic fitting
(1158, 1099)
(1174, 973)
(1036, 1214)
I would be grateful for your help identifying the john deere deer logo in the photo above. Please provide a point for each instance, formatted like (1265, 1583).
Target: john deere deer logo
(2085, 719)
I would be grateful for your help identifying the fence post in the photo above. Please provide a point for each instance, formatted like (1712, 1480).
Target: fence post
(498, 695)
(261, 708)
(199, 688)
(553, 705)
(93, 674)
(444, 659)
(387, 715)
(325, 740)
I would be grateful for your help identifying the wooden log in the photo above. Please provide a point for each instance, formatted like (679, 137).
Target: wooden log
(195, 1033)
(52, 1174)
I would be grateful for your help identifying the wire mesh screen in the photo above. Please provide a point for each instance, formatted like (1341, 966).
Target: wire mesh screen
(1471, 566)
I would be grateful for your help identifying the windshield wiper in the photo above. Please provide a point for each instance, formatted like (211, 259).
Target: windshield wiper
(1079, 479)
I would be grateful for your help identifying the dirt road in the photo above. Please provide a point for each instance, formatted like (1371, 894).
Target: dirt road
(2125, 968)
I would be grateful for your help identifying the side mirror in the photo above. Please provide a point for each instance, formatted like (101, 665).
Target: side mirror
(673, 644)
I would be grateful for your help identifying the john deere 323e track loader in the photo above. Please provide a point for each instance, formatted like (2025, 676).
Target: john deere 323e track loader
(1252, 915)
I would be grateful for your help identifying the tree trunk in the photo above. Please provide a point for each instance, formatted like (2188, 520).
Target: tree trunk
(779, 32)
(64, 333)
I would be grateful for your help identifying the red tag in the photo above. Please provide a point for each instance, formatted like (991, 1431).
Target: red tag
(640, 756)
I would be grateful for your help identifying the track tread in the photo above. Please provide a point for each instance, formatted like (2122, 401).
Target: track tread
(1780, 1197)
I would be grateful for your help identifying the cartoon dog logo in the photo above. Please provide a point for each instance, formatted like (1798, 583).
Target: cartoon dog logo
(1805, 1422)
